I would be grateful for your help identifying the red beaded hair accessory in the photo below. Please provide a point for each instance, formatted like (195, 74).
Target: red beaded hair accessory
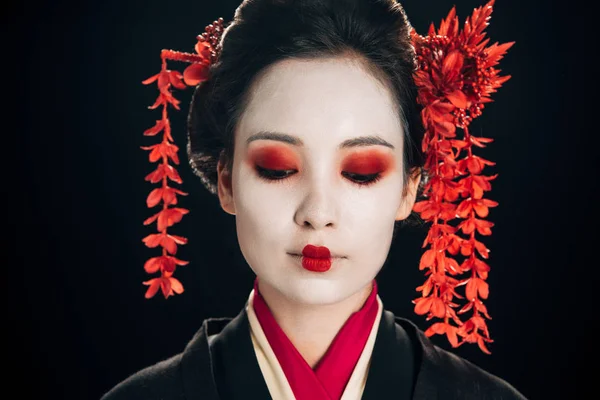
(455, 76)
(207, 52)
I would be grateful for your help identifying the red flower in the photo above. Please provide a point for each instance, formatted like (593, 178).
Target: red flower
(166, 283)
(477, 286)
(479, 205)
(167, 194)
(167, 217)
(163, 170)
(156, 129)
(442, 328)
(432, 304)
(163, 264)
(469, 225)
(166, 241)
(163, 150)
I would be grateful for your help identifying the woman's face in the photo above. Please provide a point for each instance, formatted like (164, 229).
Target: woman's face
(318, 160)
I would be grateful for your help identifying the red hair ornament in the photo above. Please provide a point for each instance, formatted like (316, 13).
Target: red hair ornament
(455, 75)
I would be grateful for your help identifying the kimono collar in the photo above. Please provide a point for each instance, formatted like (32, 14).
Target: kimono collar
(220, 363)
(331, 375)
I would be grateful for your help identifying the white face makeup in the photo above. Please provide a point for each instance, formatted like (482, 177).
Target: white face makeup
(322, 106)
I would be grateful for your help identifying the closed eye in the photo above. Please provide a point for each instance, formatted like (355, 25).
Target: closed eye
(279, 175)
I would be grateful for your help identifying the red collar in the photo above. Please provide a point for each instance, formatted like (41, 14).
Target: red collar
(328, 380)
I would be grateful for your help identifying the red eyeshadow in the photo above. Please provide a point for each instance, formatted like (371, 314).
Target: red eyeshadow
(368, 162)
(274, 157)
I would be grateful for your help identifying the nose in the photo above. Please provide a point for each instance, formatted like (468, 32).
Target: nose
(318, 209)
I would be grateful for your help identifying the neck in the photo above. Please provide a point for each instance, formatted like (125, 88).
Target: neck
(311, 328)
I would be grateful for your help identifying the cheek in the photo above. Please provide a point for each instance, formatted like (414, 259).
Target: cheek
(373, 210)
(260, 208)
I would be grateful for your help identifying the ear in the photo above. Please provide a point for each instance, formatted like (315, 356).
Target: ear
(224, 187)
(410, 194)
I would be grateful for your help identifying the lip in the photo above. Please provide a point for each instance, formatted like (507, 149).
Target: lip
(316, 258)
(316, 251)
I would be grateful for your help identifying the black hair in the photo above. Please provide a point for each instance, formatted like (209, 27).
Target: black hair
(263, 32)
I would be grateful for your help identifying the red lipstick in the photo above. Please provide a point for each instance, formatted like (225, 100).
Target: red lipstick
(316, 258)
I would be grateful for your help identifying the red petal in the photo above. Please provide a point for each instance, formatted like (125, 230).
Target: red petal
(150, 220)
(154, 285)
(423, 305)
(151, 79)
(466, 307)
(446, 129)
(178, 239)
(176, 285)
(482, 346)
(173, 174)
(477, 191)
(154, 197)
(484, 288)
(471, 289)
(451, 333)
(495, 53)
(483, 251)
(169, 197)
(165, 285)
(203, 49)
(169, 245)
(464, 208)
(153, 240)
(426, 288)
(175, 78)
(160, 100)
(156, 175)
(180, 262)
(481, 210)
(452, 64)
(195, 73)
(458, 98)
(438, 328)
(439, 108)
(162, 220)
(438, 308)
(427, 259)
(421, 205)
(163, 81)
(468, 226)
(159, 126)
(474, 165)
(152, 265)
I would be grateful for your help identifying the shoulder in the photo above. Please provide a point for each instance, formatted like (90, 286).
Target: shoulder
(162, 380)
(462, 377)
(454, 376)
(186, 373)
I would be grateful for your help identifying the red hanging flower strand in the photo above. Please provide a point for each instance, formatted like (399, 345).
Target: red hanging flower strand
(456, 74)
(207, 52)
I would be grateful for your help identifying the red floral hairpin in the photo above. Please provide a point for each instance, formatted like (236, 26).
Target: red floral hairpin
(207, 52)
(455, 77)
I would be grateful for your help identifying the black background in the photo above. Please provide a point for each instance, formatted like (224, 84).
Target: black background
(78, 322)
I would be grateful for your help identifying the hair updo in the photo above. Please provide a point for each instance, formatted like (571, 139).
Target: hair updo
(263, 32)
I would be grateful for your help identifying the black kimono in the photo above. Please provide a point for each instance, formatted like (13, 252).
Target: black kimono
(220, 363)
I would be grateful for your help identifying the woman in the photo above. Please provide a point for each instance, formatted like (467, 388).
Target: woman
(305, 123)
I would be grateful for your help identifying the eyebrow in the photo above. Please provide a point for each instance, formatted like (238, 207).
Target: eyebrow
(286, 138)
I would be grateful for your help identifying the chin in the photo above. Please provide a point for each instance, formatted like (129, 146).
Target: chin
(315, 290)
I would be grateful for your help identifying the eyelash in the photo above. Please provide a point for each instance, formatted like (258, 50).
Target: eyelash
(273, 175)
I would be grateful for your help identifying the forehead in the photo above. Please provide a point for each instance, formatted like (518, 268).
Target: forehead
(328, 100)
